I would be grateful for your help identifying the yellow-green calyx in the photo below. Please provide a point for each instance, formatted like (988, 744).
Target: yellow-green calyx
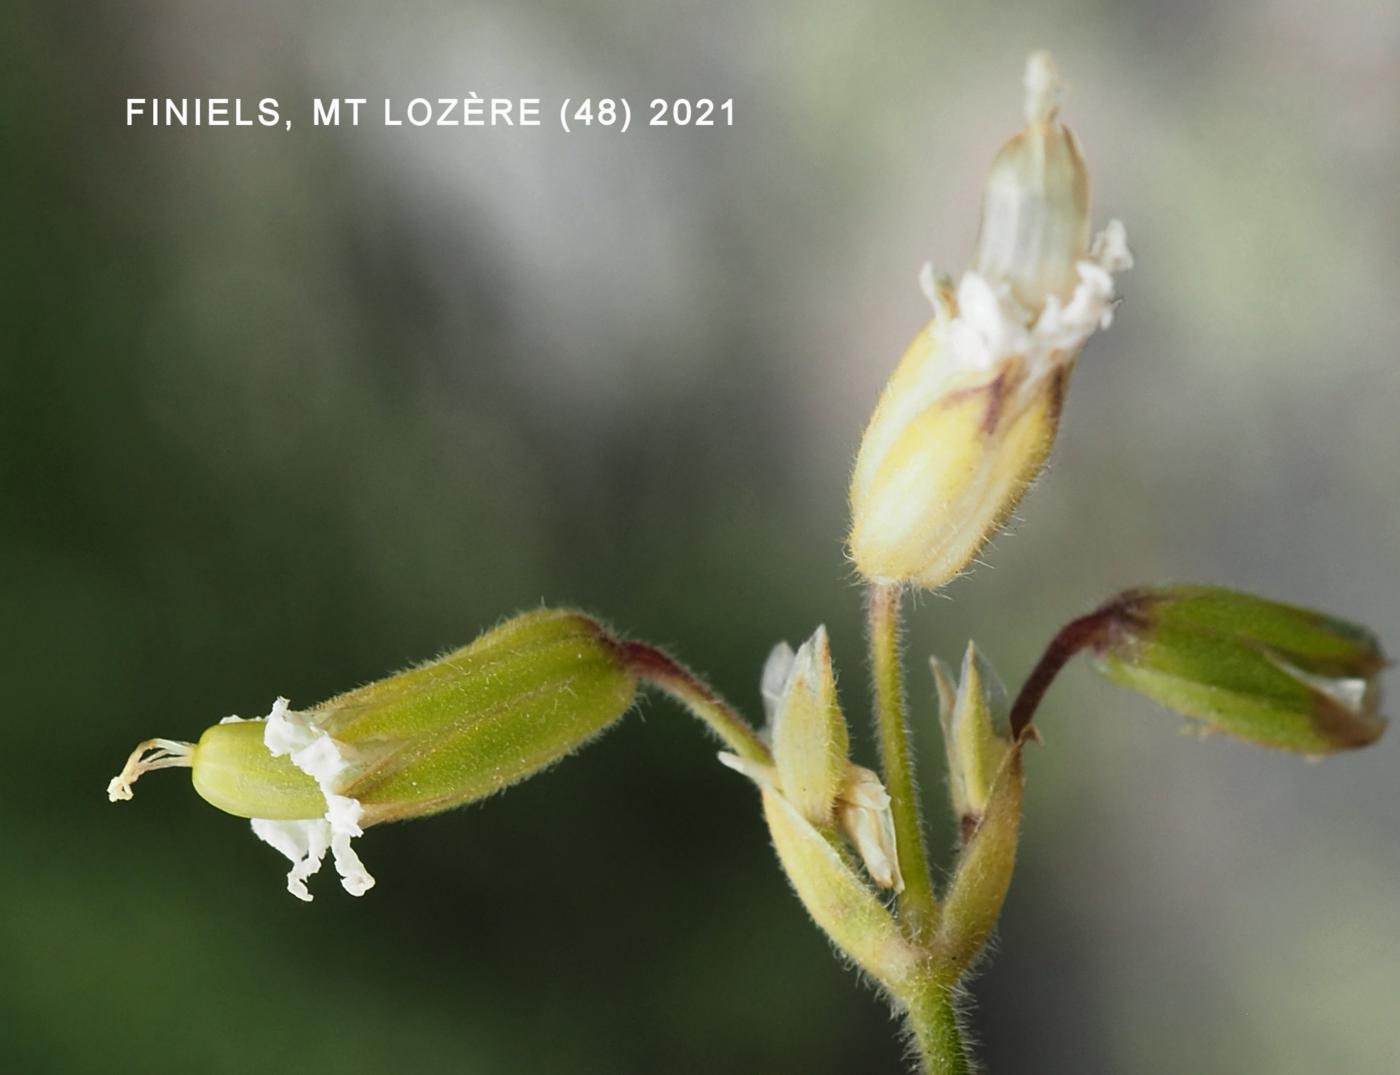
(444, 733)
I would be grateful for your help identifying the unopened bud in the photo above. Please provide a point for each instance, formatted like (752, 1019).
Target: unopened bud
(810, 740)
(975, 735)
(442, 734)
(811, 770)
(1270, 673)
(971, 413)
(987, 785)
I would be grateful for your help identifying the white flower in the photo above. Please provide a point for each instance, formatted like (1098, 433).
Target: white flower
(990, 326)
(970, 414)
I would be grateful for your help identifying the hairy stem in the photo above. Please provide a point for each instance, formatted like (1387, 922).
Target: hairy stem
(934, 1022)
(659, 668)
(1074, 636)
(917, 904)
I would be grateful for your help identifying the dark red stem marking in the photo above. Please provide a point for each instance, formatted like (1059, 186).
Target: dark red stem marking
(1088, 632)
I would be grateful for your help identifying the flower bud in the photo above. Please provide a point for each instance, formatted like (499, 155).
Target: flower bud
(445, 733)
(811, 771)
(987, 784)
(971, 413)
(810, 739)
(975, 735)
(1262, 671)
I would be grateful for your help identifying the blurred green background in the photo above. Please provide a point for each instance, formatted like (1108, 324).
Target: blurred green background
(281, 412)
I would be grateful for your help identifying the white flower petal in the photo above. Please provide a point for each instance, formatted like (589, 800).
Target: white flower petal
(344, 813)
(863, 809)
(354, 878)
(865, 832)
(327, 761)
(321, 759)
(1110, 248)
(777, 670)
(303, 842)
(991, 326)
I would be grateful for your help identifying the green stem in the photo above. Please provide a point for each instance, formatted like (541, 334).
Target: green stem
(934, 1021)
(662, 670)
(917, 903)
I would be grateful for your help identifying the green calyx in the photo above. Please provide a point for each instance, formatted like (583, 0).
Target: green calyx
(1266, 672)
(478, 719)
(438, 735)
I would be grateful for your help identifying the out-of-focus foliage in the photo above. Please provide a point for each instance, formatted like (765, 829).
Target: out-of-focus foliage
(281, 412)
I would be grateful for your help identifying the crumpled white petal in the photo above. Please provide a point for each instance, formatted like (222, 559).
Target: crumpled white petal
(1110, 247)
(304, 842)
(991, 326)
(354, 878)
(326, 760)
